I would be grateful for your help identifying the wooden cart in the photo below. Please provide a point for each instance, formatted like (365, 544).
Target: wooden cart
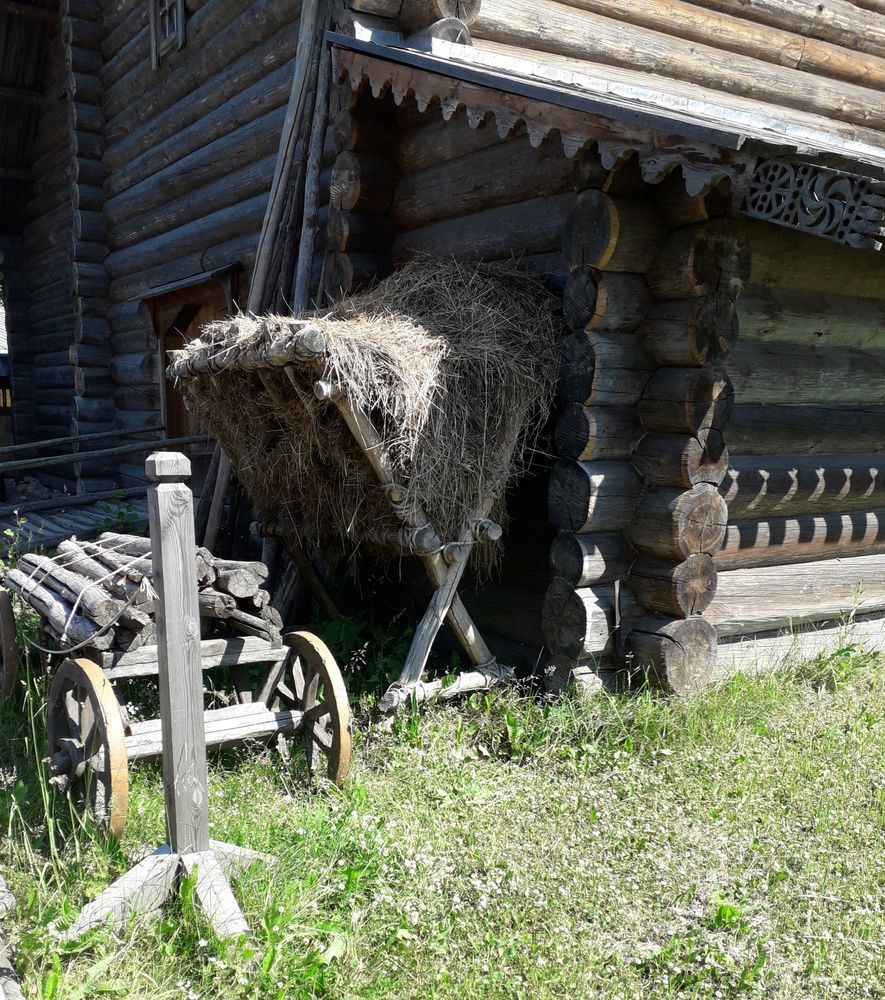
(300, 693)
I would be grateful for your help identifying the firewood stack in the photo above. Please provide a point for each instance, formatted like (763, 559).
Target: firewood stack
(107, 585)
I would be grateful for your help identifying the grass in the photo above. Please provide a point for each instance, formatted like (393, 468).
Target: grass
(729, 845)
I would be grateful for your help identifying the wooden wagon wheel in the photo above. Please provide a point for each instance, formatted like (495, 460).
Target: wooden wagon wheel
(315, 687)
(8, 648)
(87, 741)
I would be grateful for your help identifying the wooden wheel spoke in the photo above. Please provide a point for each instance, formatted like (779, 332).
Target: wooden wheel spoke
(298, 677)
(322, 737)
(73, 708)
(286, 694)
(310, 695)
(316, 712)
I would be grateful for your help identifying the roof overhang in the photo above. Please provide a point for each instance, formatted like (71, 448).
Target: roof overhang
(708, 135)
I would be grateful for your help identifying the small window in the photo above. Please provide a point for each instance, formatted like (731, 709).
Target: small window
(167, 28)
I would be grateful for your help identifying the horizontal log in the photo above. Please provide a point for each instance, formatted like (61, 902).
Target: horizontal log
(19, 465)
(439, 141)
(811, 318)
(733, 27)
(686, 400)
(682, 460)
(825, 375)
(63, 503)
(237, 252)
(678, 589)
(679, 654)
(757, 486)
(603, 369)
(589, 559)
(799, 644)
(224, 728)
(697, 331)
(605, 300)
(772, 597)
(497, 175)
(611, 233)
(231, 30)
(595, 432)
(578, 622)
(449, 29)
(249, 178)
(803, 538)
(841, 22)
(554, 27)
(592, 496)
(789, 259)
(187, 161)
(134, 369)
(805, 430)
(674, 524)
(216, 227)
(524, 227)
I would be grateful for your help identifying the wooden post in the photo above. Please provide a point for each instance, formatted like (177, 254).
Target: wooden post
(185, 780)
(144, 888)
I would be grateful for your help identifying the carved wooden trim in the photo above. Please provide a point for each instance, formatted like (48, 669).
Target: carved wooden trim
(845, 208)
(703, 164)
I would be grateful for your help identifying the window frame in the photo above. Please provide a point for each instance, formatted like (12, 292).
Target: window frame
(160, 45)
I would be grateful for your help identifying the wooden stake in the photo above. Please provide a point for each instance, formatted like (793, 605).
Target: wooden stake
(185, 779)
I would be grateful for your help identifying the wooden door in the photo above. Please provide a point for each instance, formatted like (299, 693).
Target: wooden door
(179, 317)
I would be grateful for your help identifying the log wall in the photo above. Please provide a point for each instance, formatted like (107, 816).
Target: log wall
(804, 551)
(43, 375)
(189, 154)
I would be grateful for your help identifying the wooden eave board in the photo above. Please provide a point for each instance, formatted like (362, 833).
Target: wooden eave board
(663, 121)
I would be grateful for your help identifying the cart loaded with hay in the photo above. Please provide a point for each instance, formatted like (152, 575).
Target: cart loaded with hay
(396, 420)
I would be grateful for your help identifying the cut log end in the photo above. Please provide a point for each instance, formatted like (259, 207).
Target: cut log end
(683, 589)
(578, 622)
(680, 655)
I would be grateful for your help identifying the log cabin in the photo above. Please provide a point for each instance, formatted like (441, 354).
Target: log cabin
(701, 183)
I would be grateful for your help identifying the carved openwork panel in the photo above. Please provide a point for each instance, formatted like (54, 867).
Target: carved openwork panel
(845, 208)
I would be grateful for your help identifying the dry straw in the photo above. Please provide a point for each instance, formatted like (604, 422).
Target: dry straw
(454, 362)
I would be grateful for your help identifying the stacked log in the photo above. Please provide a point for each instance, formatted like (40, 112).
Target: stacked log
(835, 74)
(680, 524)
(608, 242)
(99, 595)
(362, 177)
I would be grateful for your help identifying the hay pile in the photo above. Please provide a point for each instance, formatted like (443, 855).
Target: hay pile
(456, 365)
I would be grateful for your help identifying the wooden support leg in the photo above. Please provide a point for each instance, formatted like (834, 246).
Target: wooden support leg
(215, 895)
(425, 633)
(142, 890)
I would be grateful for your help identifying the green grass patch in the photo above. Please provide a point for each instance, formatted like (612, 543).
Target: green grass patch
(729, 845)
